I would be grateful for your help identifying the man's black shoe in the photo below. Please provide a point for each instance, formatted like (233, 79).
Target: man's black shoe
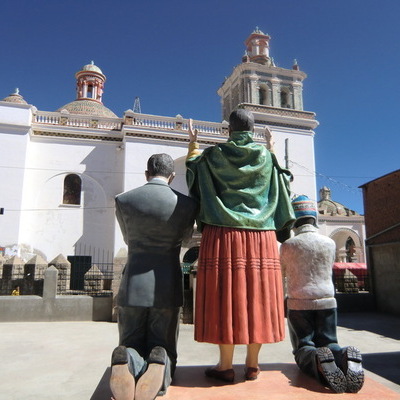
(122, 382)
(151, 382)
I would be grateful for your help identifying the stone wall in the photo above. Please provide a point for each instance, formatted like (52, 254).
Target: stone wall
(385, 260)
(53, 307)
(29, 277)
(382, 209)
(382, 224)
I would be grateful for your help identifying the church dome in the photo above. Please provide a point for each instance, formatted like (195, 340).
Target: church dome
(92, 67)
(327, 206)
(15, 98)
(88, 107)
(330, 207)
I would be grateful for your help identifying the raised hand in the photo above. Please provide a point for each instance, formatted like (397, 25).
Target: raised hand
(192, 132)
(269, 139)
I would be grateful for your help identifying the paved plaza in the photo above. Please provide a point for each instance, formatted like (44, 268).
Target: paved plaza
(70, 360)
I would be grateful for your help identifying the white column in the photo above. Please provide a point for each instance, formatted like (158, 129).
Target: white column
(276, 92)
(297, 95)
(269, 90)
(248, 91)
(253, 90)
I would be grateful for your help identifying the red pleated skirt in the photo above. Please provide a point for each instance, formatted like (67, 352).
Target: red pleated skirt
(239, 293)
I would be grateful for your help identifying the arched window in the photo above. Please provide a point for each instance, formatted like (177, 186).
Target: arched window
(89, 91)
(262, 47)
(285, 98)
(350, 250)
(191, 255)
(72, 189)
(262, 96)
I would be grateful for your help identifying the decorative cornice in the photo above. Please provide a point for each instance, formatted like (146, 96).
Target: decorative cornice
(15, 127)
(266, 121)
(342, 219)
(17, 105)
(287, 112)
(92, 136)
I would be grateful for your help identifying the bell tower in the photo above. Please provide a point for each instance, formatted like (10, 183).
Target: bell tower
(257, 80)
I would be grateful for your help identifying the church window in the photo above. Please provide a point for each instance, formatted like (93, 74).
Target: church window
(262, 47)
(262, 96)
(72, 189)
(285, 98)
(90, 91)
(191, 255)
(350, 250)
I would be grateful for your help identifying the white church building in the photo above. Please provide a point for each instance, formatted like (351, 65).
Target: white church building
(62, 169)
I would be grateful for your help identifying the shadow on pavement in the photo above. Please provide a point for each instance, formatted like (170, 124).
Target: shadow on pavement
(386, 365)
(193, 376)
(381, 324)
(103, 391)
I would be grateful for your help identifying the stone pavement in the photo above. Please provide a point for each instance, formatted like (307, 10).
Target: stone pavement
(70, 360)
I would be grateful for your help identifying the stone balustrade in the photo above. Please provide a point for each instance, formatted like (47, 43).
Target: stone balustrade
(79, 121)
(137, 120)
(177, 123)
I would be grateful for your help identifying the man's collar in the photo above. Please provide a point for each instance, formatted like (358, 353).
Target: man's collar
(158, 181)
(305, 229)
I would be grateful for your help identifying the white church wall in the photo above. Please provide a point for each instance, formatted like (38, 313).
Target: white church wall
(179, 182)
(14, 133)
(300, 147)
(17, 116)
(138, 152)
(51, 227)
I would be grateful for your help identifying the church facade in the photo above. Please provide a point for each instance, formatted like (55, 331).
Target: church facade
(62, 169)
(346, 227)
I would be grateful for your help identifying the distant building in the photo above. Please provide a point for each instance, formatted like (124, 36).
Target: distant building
(346, 227)
(382, 223)
(60, 170)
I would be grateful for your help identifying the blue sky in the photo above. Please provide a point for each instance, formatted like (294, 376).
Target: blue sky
(175, 54)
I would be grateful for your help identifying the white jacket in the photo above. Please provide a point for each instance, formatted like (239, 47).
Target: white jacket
(307, 261)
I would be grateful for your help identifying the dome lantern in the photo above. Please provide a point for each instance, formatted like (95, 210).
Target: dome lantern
(89, 93)
(90, 83)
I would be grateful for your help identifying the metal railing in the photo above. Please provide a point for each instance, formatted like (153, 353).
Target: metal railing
(346, 281)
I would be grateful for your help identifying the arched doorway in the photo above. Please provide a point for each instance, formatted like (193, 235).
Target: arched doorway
(349, 247)
(189, 263)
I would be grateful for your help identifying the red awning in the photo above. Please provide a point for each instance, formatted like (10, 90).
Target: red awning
(349, 266)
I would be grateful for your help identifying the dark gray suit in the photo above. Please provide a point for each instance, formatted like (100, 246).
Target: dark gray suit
(154, 219)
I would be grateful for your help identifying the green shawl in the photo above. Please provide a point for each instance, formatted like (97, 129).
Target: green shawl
(240, 184)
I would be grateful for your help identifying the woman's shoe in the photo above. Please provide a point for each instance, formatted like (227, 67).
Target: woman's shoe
(251, 374)
(227, 375)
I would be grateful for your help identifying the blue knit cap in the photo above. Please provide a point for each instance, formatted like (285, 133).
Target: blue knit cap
(304, 207)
